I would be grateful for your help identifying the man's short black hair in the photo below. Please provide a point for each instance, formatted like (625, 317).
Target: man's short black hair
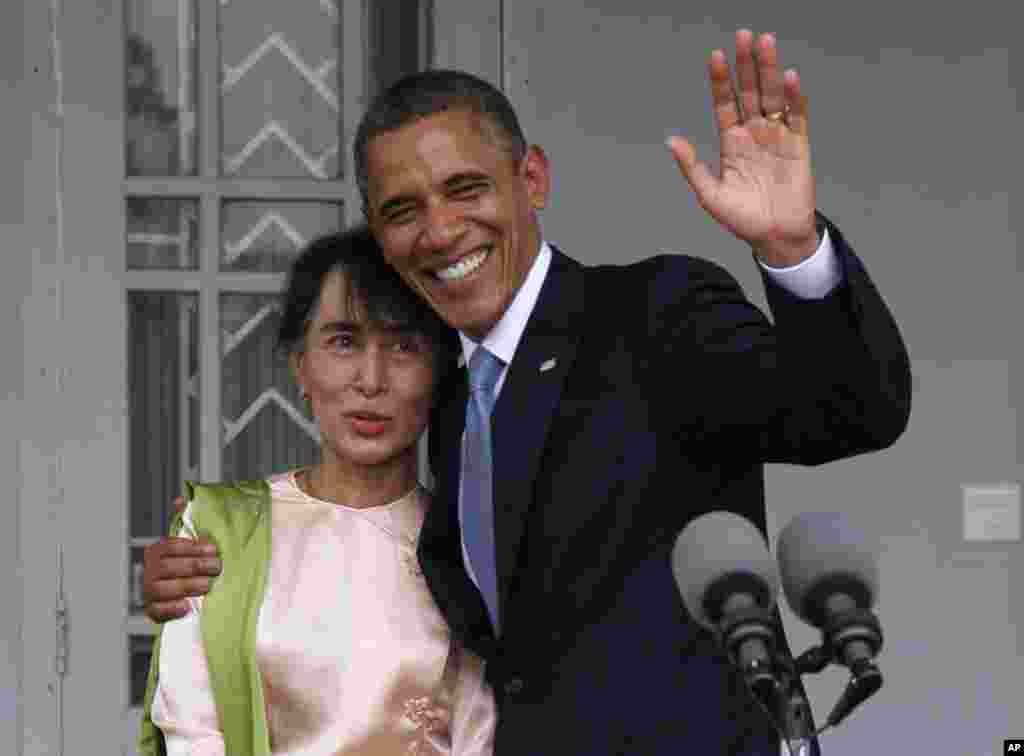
(427, 93)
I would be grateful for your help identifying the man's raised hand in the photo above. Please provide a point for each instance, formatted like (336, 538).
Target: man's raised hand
(764, 193)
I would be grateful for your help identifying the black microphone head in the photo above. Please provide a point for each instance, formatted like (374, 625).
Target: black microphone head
(719, 555)
(823, 554)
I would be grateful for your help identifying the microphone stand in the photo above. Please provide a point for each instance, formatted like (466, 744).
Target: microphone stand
(861, 628)
(772, 678)
(851, 638)
(794, 712)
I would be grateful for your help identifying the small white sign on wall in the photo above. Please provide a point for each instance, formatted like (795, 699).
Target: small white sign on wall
(992, 512)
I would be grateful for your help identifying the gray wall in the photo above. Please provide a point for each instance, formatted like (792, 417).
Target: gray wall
(33, 355)
(915, 127)
(14, 273)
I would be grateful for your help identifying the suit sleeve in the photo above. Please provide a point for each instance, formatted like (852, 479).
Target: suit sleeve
(183, 704)
(829, 379)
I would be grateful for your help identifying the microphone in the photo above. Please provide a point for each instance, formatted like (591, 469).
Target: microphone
(728, 582)
(830, 579)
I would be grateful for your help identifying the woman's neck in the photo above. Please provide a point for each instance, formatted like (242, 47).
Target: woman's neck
(361, 486)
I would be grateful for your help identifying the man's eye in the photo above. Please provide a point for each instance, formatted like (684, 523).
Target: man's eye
(469, 190)
(407, 345)
(402, 215)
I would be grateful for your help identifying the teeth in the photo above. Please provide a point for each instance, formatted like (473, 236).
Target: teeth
(462, 268)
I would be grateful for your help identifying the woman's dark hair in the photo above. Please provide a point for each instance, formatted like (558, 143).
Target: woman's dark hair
(372, 285)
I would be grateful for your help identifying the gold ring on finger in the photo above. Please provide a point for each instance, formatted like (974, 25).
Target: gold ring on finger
(778, 116)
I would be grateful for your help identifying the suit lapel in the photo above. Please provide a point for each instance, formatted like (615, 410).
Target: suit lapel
(525, 407)
(522, 415)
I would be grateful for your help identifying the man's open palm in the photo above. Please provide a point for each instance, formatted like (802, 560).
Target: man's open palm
(764, 192)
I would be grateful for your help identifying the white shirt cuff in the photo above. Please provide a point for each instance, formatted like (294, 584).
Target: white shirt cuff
(812, 278)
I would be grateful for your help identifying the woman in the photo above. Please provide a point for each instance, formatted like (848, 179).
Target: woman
(320, 636)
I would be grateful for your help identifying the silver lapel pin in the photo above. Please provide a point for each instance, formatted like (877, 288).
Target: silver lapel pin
(548, 364)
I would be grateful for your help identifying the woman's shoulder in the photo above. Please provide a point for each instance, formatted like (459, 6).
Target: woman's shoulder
(228, 492)
(286, 483)
(225, 506)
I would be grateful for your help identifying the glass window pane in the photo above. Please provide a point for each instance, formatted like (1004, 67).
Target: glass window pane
(266, 236)
(398, 40)
(162, 233)
(136, 557)
(140, 651)
(163, 405)
(160, 92)
(280, 91)
(266, 428)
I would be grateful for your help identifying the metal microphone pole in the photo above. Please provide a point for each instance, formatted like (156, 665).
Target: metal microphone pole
(796, 723)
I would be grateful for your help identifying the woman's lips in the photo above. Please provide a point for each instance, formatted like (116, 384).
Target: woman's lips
(368, 423)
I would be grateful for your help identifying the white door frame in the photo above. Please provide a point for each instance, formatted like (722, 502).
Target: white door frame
(34, 273)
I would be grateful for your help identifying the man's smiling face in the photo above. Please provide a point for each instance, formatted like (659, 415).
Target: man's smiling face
(456, 214)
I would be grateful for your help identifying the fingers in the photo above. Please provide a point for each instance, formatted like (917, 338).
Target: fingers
(176, 568)
(180, 557)
(796, 101)
(746, 74)
(176, 589)
(769, 76)
(696, 173)
(172, 546)
(186, 567)
(723, 96)
(165, 611)
(762, 87)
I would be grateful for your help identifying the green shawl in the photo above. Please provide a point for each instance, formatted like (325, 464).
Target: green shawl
(236, 517)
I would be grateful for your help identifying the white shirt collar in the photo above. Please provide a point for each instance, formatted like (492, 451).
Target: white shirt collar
(504, 338)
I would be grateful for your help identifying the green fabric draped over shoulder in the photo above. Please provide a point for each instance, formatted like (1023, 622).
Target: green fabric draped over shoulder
(235, 517)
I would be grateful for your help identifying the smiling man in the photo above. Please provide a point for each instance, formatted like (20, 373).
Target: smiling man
(603, 408)
(453, 199)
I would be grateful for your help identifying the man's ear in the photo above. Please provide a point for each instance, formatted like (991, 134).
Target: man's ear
(536, 172)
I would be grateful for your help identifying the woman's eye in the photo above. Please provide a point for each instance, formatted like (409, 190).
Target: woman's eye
(341, 341)
(409, 345)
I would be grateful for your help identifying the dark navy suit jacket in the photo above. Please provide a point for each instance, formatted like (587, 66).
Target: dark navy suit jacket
(669, 393)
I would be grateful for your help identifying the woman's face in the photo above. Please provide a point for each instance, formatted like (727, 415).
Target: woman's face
(371, 386)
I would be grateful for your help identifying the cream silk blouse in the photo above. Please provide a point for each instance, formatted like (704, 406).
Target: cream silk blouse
(354, 655)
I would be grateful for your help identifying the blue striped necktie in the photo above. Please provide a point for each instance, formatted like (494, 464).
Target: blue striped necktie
(477, 477)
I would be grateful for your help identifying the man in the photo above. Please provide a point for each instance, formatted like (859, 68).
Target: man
(630, 399)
